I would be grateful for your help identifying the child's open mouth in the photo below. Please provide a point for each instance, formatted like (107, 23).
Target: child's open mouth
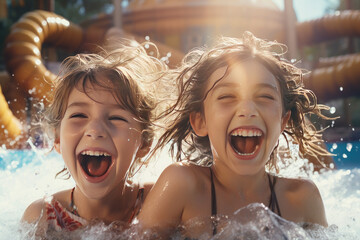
(245, 141)
(95, 163)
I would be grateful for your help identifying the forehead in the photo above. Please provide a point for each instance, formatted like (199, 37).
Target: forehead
(244, 73)
(100, 90)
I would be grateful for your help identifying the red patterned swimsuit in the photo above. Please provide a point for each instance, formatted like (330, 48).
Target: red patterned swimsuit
(59, 218)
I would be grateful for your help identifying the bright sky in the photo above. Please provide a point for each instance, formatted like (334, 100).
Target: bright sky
(310, 9)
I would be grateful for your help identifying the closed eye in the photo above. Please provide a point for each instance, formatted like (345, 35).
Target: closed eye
(266, 96)
(225, 97)
(78, 115)
(117, 118)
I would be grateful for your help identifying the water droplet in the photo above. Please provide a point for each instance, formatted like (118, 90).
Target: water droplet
(332, 110)
(128, 139)
(353, 129)
(332, 123)
(344, 155)
(146, 46)
(334, 146)
(147, 38)
(341, 89)
(341, 139)
(349, 147)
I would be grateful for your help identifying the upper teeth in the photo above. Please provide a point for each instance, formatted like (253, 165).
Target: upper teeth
(247, 132)
(95, 153)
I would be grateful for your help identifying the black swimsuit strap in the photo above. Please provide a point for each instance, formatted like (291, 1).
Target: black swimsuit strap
(213, 203)
(273, 204)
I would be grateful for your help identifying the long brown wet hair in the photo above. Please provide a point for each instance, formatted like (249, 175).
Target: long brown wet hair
(192, 81)
(131, 75)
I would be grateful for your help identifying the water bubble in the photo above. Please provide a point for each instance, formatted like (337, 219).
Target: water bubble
(334, 146)
(147, 46)
(31, 91)
(341, 139)
(344, 155)
(147, 38)
(14, 164)
(332, 123)
(349, 147)
(332, 110)
(341, 89)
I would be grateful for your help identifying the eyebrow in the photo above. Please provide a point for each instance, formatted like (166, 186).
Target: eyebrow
(83, 104)
(232, 85)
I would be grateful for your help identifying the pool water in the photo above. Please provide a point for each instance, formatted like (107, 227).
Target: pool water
(27, 175)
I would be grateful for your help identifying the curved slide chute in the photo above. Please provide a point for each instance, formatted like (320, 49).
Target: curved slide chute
(23, 48)
(24, 62)
(335, 77)
(8, 121)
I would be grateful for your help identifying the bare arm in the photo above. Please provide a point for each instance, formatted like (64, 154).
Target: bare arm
(314, 207)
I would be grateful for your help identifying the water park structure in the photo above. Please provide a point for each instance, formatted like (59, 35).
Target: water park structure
(176, 27)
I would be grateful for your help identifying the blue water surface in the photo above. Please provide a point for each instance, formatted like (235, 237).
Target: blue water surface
(347, 156)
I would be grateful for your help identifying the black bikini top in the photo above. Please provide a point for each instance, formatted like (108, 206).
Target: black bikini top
(273, 203)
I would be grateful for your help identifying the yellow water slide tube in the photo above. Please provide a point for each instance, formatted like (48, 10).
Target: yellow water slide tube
(24, 63)
(23, 48)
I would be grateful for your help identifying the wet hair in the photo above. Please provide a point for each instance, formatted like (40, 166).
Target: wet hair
(125, 69)
(192, 81)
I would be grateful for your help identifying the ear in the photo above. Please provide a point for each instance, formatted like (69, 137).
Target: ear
(144, 149)
(285, 120)
(57, 145)
(198, 124)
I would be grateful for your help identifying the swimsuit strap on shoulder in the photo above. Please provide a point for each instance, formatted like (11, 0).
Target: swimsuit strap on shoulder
(273, 203)
(138, 203)
(213, 203)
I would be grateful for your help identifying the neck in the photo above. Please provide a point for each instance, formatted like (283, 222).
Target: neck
(244, 185)
(113, 206)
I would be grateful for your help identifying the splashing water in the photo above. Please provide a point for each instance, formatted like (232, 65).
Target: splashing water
(28, 175)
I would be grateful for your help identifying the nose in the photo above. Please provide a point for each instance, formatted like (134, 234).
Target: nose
(246, 109)
(95, 129)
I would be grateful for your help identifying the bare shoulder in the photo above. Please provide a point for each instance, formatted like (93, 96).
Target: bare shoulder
(297, 185)
(184, 176)
(33, 211)
(302, 199)
(164, 205)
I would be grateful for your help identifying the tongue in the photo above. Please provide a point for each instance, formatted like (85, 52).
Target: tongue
(245, 144)
(97, 166)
